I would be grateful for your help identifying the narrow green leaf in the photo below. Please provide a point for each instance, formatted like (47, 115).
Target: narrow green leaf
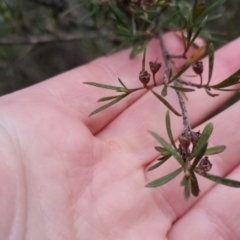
(134, 28)
(207, 131)
(186, 183)
(168, 147)
(187, 188)
(228, 90)
(159, 163)
(194, 185)
(222, 180)
(166, 103)
(164, 157)
(107, 98)
(189, 28)
(108, 105)
(163, 151)
(232, 80)
(213, 18)
(198, 52)
(198, 30)
(160, 149)
(164, 91)
(212, 7)
(183, 89)
(138, 48)
(211, 94)
(169, 130)
(197, 9)
(184, 42)
(199, 156)
(215, 150)
(118, 89)
(185, 96)
(210, 62)
(183, 182)
(160, 181)
(122, 83)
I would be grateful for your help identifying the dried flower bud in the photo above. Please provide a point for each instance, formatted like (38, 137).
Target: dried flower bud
(155, 66)
(195, 137)
(204, 166)
(184, 140)
(197, 67)
(184, 152)
(201, 6)
(144, 77)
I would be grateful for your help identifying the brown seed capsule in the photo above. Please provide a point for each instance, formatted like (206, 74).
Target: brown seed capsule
(201, 6)
(144, 77)
(155, 66)
(204, 166)
(184, 140)
(197, 67)
(184, 152)
(194, 138)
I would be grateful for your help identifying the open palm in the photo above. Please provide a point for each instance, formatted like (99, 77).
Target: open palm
(67, 176)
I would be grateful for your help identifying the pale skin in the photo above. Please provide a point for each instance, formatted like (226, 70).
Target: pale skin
(64, 175)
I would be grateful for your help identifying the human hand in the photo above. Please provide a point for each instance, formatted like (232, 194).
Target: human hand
(67, 176)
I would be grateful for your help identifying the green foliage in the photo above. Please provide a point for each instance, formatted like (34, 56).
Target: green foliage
(106, 26)
(215, 150)
(169, 130)
(166, 103)
(135, 23)
(210, 62)
(38, 38)
(228, 82)
(168, 147)
(159, 163)
(223, 181)
(202, 142)
(165, 179)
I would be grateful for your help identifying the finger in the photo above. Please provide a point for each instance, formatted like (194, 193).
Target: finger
(129, 130)
(215, 216)
(69, 89)
(225, 125)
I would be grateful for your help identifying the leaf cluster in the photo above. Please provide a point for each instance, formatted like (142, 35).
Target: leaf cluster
(137, 22)
(189, 180)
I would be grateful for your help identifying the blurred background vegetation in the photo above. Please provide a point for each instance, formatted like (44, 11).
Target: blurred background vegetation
(43, 38)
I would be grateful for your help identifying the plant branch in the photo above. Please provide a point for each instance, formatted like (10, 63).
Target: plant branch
(165, 56)
(167, 59)
(186, 123)
(177, 56)
(149, 87)
(192, 84)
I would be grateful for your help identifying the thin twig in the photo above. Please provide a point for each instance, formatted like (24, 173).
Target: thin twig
(149, 87)
(192, 84)
(177, 56)
(186, 123)
(165, 56)
(167, 60)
